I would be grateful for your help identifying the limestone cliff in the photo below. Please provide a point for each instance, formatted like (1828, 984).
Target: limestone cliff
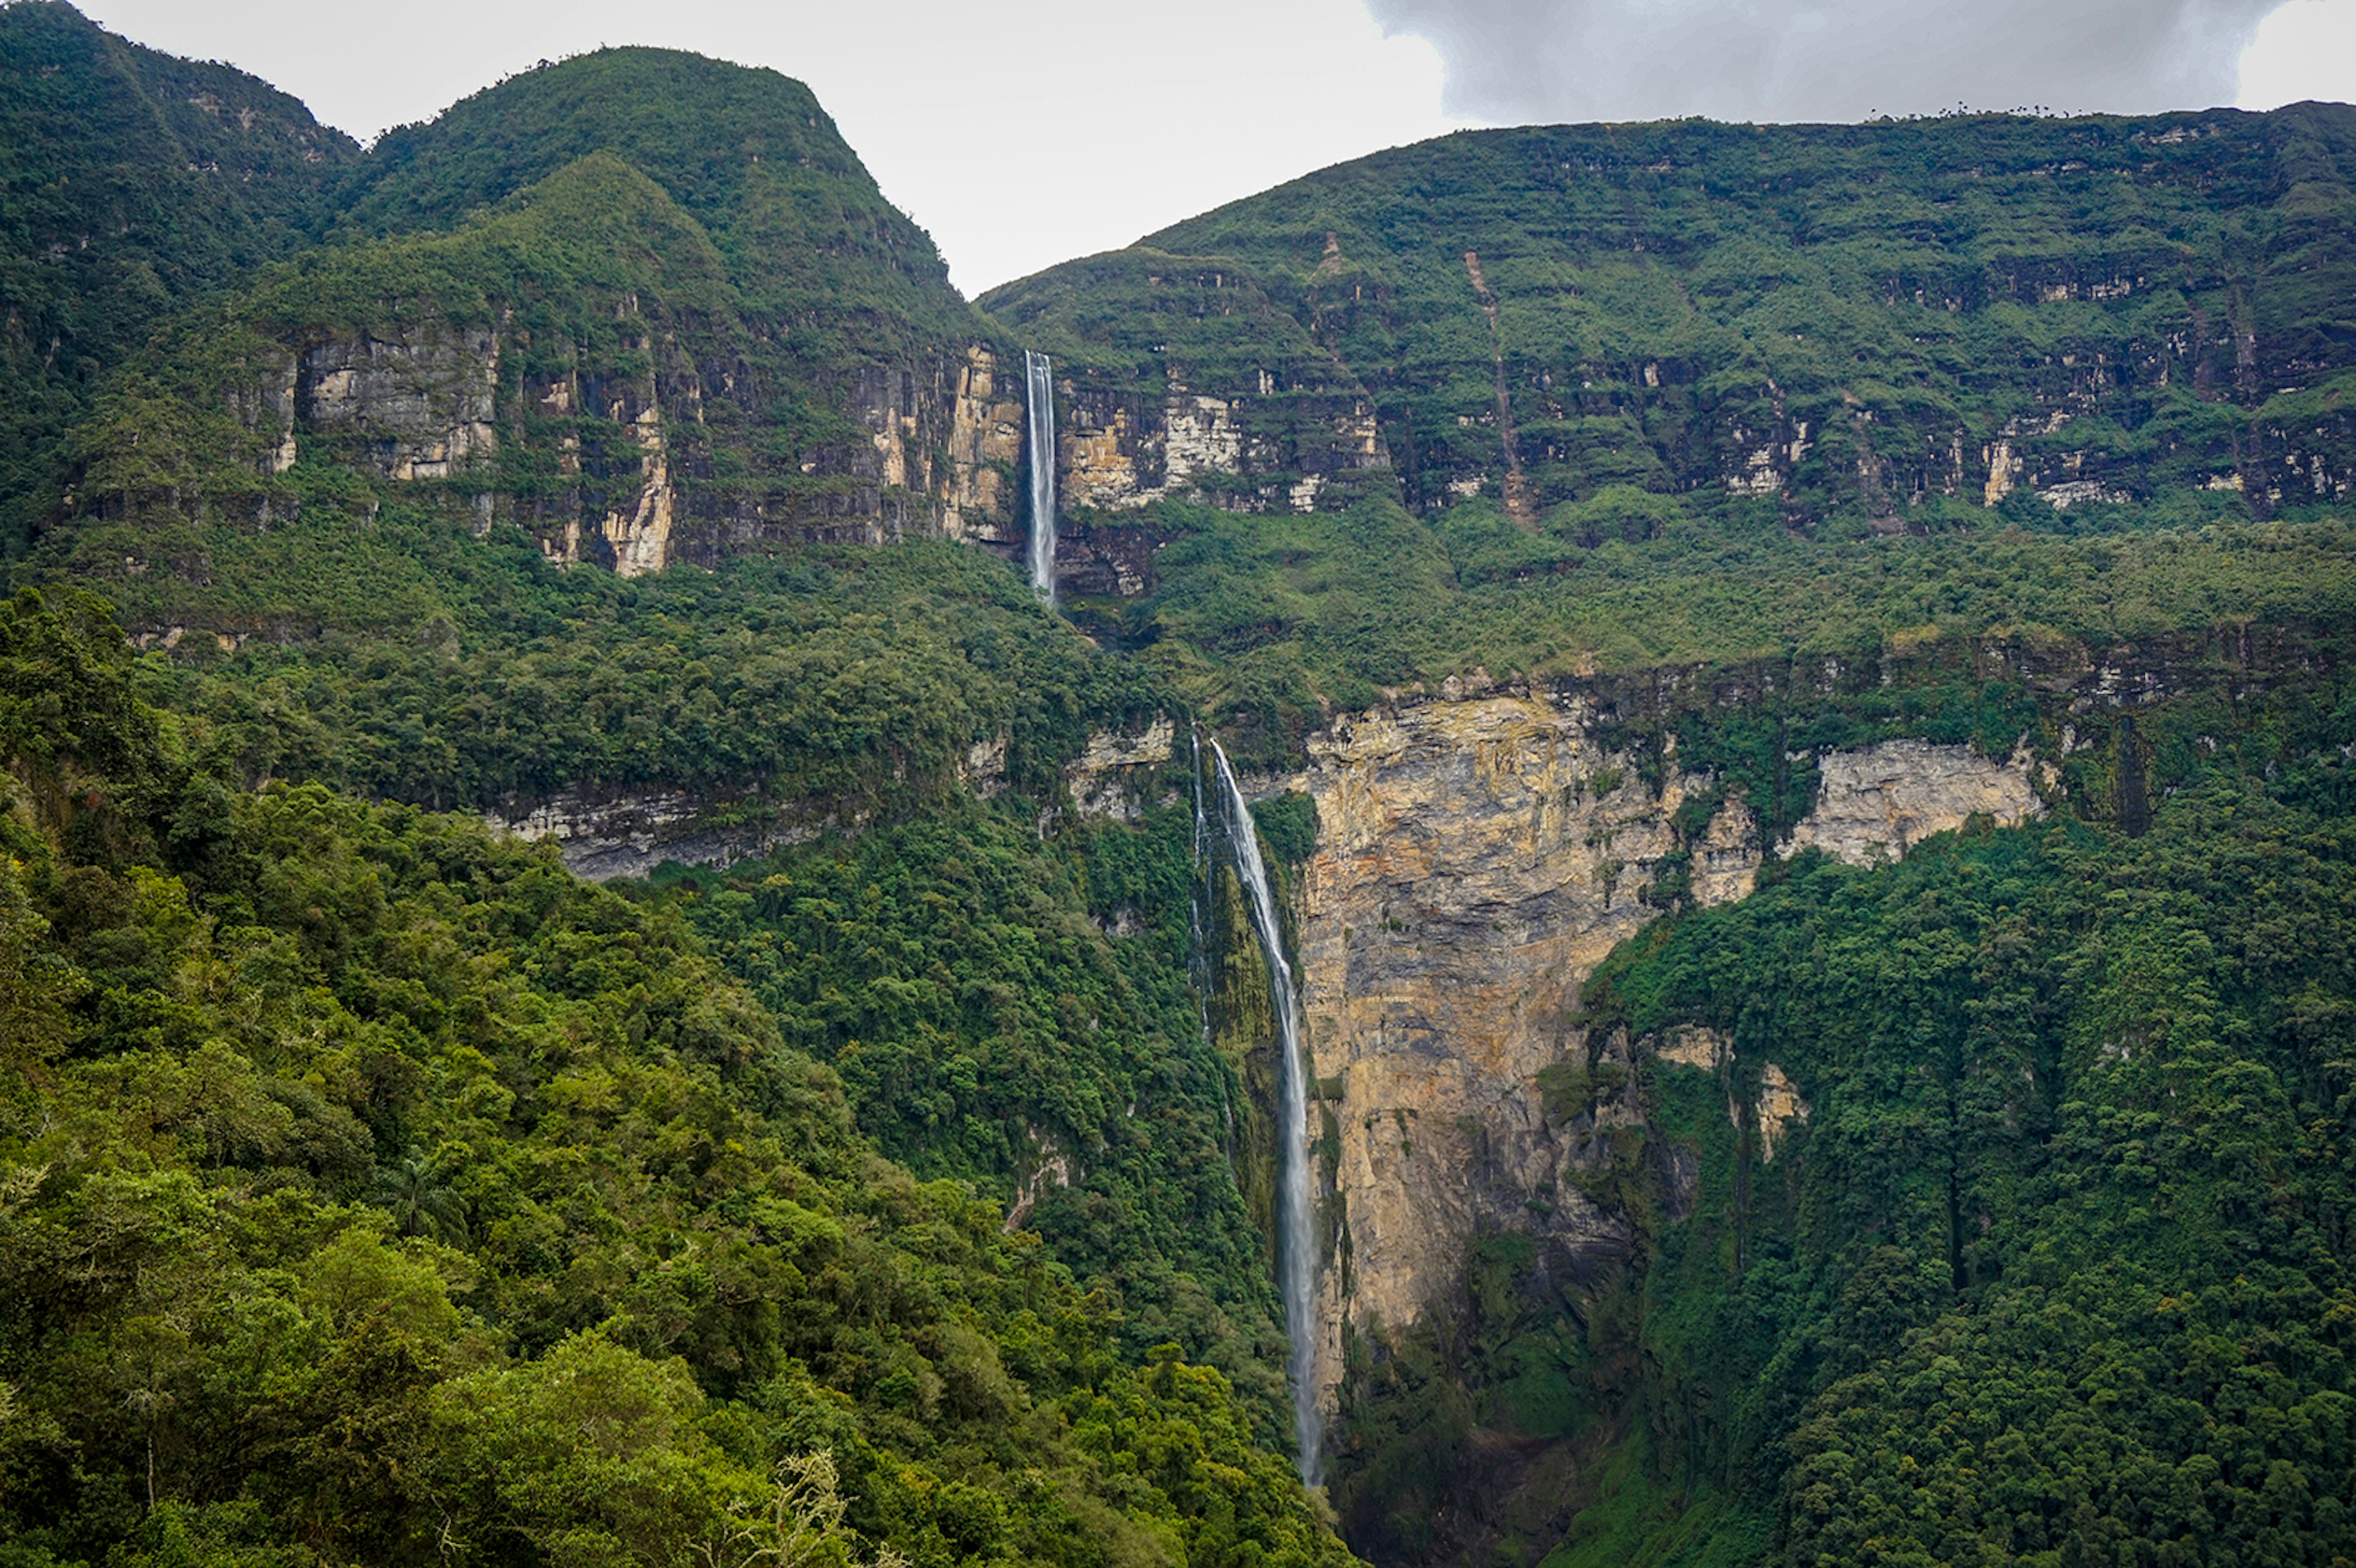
(1244, 447)
(1477, 858)
(629, 382)
(610, 452)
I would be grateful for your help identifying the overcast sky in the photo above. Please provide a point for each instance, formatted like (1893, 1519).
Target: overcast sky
(1022, 133)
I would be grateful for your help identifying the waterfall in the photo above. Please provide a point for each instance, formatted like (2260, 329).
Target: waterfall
(1296, 1239)
(1198, 954)
(1039, 371)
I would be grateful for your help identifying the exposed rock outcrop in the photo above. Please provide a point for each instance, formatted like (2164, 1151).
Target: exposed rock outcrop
(605, 836)
(985, 447)
(1251, 448)
(1477, 858)
(1112, 769)
(1877, 803)
(632, 454)
(416, 404)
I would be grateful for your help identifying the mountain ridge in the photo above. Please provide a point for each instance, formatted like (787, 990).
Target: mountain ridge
(1794, 690)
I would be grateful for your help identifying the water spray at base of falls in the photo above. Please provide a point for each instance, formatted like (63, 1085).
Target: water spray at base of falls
(1040, 376)
(1296, 1237)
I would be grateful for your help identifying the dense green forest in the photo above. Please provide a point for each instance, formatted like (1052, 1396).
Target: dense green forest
(888, 1176)
(376, 1192)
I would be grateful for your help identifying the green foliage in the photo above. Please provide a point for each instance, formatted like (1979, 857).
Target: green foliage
(131, 184)
(2057, 1268)
(750, 154)
(1268, 624)
(1642, 1523)
(371, 1189)
(402, 658)
(957, 973)
(1287, 826)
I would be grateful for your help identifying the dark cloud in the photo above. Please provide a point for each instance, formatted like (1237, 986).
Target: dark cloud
(1535, 60)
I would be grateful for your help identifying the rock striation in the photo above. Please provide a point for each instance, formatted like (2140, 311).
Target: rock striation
(609, 457)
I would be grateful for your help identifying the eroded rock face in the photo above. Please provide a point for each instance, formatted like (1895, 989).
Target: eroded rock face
(986, 432)
(1249, 449)
(1477, 858)
(1877, 803)
(611, 453)
(1108, 777)
(413, 405)
(605, 836)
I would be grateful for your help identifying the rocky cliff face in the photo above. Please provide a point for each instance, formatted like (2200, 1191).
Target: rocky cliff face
(1247, 449)
(1877, 802)
(611, 453)
(1532, 313)
(414, 404)
(611, 833)
(1477, 858)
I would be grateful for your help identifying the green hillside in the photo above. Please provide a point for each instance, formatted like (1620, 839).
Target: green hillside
(376, 1192)
(1845, 319)
(644, 337)
(750, 153)
(131, 184)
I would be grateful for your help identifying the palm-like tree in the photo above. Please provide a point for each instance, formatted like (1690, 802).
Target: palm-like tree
(414, 1190)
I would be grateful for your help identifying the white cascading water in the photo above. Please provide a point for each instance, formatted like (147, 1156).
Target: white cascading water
(1039, 372)
(1296, 1240)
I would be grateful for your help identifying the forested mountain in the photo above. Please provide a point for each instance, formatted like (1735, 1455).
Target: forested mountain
(648, 305)
(376, 1192)
(1890, 322)
(133, 183)
(1793, 686)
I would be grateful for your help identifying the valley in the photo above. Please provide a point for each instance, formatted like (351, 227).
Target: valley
(1582, 845)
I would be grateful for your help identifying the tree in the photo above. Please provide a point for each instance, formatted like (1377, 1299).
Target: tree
(415, 1192)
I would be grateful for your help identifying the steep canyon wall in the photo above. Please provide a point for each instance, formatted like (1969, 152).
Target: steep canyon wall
(630, 454)
(1477, 859)
(1481, 851)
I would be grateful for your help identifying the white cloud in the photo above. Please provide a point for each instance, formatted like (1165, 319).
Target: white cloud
(1827, 59)
(2306, 49)
(1021, 132)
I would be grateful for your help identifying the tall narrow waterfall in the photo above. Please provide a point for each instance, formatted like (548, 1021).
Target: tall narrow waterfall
(1296, 1238)
(1040, 373)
